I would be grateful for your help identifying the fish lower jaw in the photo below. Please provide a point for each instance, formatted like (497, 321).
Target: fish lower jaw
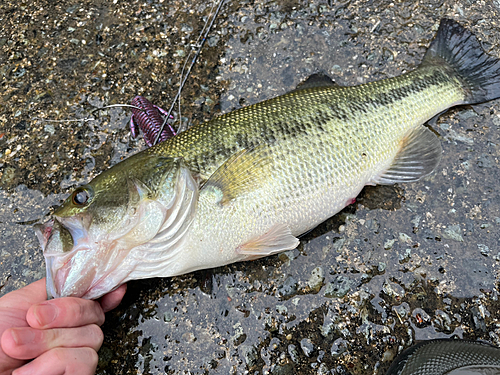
(85, 287)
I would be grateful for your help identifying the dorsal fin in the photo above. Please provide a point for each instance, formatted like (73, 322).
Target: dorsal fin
(419, 155)
(316, 80)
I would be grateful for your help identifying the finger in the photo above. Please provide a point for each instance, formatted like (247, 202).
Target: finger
(65, 312)
(59, 361)
(28, 343)
(113, 299)
(23, 298)
(8, 363)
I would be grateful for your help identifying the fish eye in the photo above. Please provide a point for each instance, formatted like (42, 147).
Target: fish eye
(80, 197)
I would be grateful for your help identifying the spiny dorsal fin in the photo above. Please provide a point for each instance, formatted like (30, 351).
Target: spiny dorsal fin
(240, 173)
(419, 155)
(278, 238)
(316, 80)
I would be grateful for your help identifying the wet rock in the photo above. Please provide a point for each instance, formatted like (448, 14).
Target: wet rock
(282, 309)
(323, 369)
(186, 28)
(49, 128)
(403, 237)
(416, 221)
(467, 114)
(381, 267)
(168, 316)
(478, 319)
(8, 176)
(250, 354)
(405, 256)
(239, 335)
(496, 119)
(455, 136)
(339, 346)
(286, 369)
(209, 102)
(294, 354)
(420, 318)
(442, 321)
(200, 100)
(213, 40)
(288, 288)
(329, 323)
(336, 69)
(388, 244)
(485, 250)
(388, 356)
(402, 311)
(307, 347)
(393, 290)
(316, 280)
(453, 232)
(339, 287)
(485, 161)
(373, 225)
(338, 244)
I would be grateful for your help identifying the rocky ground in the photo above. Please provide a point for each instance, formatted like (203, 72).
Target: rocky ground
(404, 263)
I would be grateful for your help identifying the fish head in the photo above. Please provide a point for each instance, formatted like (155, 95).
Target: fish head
(118, 227)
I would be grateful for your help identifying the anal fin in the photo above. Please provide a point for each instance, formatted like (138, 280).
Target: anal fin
(278, 238)
(419, 155)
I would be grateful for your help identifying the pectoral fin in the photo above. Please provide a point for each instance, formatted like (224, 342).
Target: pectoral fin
(419, 155)
(278, 238)
(242, 172)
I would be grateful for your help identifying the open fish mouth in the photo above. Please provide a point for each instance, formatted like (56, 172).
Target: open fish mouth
(52, 236)
(61, 245)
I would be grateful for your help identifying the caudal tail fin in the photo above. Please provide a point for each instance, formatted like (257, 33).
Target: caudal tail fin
(460, 49)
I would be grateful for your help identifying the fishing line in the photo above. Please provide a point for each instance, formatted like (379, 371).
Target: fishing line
(183, 80)
(90, 114)
(199, 45)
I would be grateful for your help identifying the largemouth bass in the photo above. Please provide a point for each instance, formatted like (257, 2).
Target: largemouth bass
(244, 185)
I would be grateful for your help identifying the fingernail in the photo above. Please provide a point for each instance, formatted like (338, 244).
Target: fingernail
(45, 314)
(23, 336)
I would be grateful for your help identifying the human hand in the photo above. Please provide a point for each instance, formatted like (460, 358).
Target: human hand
(62, 335)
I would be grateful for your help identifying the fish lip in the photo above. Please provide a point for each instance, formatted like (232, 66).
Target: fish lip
(43, 232)
(50, 285)
(57, 261)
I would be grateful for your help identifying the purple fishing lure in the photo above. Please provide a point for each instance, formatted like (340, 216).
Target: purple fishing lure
(149, 120)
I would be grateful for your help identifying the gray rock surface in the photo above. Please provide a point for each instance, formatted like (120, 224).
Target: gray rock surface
(404, 263)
